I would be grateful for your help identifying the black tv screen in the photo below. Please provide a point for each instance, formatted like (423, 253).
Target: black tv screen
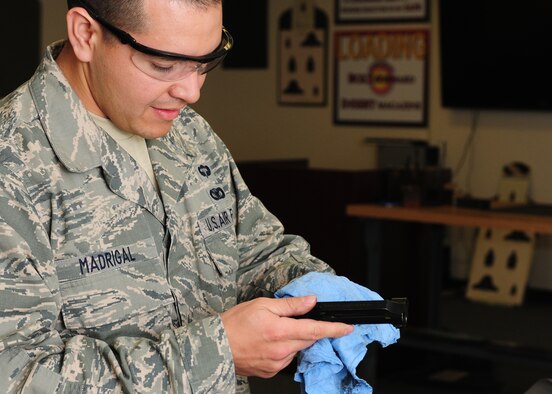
(496, 54)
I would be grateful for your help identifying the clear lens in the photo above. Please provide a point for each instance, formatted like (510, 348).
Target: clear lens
(166, 69)
(163, 65)
(211, 65)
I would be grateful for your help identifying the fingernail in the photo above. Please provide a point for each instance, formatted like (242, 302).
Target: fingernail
(309, 299)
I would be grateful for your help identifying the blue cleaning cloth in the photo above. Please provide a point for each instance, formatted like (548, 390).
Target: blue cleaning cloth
(329, 365)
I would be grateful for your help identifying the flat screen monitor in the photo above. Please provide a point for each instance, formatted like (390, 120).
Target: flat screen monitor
(496, 54)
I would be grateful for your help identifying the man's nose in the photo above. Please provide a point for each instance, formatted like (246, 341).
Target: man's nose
(188, 89)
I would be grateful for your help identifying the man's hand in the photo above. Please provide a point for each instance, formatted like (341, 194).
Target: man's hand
(264, 339)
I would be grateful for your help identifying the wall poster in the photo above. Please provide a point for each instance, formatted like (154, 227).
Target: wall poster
(381, 77)
(302, 55)
(354, 11)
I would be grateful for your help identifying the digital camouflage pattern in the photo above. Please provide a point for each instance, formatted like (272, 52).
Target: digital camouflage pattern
(107, 286)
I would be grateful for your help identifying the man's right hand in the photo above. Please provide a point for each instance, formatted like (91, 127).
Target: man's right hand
(264, 338)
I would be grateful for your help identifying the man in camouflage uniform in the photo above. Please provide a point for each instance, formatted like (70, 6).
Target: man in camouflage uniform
(113, 280)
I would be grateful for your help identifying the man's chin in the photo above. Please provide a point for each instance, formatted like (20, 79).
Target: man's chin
(157, 134)
(154, 130)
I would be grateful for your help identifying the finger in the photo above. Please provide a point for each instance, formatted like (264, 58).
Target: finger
(272, 367)
(313, 330)
(287, 361)
(318, 329)
(293, 306)
(297, 345)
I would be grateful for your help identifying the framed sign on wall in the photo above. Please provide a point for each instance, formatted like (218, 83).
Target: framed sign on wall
(303, 55)
(355, 11)
(381, 77)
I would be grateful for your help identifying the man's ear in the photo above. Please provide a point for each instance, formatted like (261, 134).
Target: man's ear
(83, 33)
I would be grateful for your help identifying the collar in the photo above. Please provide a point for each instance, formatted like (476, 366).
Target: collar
(74, 136)
(79, 143)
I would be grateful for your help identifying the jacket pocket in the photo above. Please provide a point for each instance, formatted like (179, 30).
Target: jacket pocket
(217, 229)
(114, 286)
(223, 264)
(222, 249)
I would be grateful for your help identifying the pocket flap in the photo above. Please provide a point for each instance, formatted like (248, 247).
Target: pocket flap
(97, 293)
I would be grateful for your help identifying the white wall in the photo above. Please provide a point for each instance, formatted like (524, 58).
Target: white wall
(242, 107)
(53, 21)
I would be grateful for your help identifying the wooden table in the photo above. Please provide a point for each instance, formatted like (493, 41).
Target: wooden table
(425, 332)
(453, 216)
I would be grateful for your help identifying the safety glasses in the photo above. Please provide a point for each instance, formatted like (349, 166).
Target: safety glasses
(163, 65)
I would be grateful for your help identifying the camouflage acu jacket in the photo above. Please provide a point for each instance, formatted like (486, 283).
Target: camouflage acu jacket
(107, 286)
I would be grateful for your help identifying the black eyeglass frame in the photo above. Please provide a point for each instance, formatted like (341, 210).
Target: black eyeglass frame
(227, 42)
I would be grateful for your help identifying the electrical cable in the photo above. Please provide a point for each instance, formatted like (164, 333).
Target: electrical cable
(467, 145)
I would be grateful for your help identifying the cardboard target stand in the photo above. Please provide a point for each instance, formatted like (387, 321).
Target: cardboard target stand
(502, 258)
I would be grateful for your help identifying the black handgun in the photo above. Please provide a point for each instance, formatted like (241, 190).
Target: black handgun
(393, 311)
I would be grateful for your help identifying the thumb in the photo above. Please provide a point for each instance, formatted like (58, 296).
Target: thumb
(294, 306)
